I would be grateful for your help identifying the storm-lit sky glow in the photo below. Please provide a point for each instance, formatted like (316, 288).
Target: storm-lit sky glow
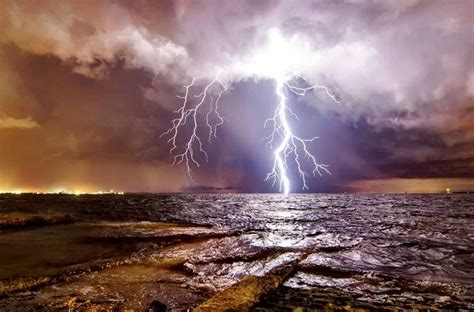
(88, 87)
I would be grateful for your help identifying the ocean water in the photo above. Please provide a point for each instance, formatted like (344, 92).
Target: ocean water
(406, 246)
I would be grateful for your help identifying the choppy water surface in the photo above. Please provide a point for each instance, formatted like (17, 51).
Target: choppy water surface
(407, 247)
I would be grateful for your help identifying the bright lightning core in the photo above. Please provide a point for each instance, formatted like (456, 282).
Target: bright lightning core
(290, 144)
(278, 61)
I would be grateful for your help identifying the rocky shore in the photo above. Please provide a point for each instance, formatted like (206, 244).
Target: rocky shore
(201, 269)
(75, 263)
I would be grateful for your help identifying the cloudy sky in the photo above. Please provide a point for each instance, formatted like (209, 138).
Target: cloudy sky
(87, 87)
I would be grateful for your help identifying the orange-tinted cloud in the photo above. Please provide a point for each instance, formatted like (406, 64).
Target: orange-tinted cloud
(87, 87)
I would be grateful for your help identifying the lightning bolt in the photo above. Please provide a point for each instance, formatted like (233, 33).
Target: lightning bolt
(207, 100)
(290, 143)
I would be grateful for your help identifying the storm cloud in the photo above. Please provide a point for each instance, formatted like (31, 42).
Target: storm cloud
(87, 87)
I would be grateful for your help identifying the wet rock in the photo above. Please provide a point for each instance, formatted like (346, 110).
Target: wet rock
(227, 249)
(217, 275)
(243, 295)
(12, 285)
(331, 299)
(127, 287)
(156, 306)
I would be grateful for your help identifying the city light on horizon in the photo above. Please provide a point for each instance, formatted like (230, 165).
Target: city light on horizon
(77, 192)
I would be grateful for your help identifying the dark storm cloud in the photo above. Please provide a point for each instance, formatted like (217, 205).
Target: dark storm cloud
(89, 83)
(85, 132)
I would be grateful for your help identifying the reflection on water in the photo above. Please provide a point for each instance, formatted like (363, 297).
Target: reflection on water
(409, 245)
(44, 251)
